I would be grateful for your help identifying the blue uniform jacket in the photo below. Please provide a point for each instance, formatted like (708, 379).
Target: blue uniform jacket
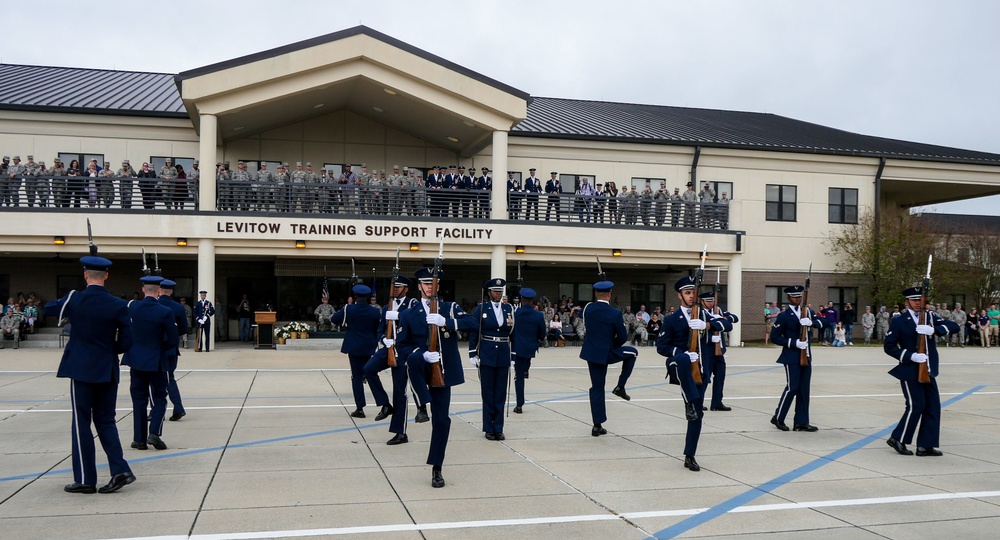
(413, 333)
(786, 330)
(199, 309)
(492, 353)
(675, 338)
(362, 321)
(529, 331)
(901, 343)
(100, 331)
(180, 318)
(403, 306)
(605, 331)
(154, 334)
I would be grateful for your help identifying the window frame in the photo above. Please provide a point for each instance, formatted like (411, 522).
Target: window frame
(781, 205)
(842, 206)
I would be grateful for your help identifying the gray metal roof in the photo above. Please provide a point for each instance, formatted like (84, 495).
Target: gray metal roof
(95, 91)
(961, 223)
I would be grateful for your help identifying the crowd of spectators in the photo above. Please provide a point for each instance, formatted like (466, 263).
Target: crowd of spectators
(19, 317)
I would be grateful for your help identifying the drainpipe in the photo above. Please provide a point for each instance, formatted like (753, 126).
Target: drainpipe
(694, 167)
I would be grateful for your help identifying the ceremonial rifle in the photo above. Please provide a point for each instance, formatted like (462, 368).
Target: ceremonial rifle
(695, 314)
(436, 379)
(145, 268)
(924, 372)
(156, 264)
(601, 275)
(717, 309)
(804, 310)
(90, 240)
(390, 326)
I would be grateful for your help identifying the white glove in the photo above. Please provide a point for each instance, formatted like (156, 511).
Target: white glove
(925, 329)
(432, 357)
(436, 319)
(474, 360)
(392, 315)
(806, 321)
(801, 344)
(716, 339)
(918, 358)
(693, 356)
(696, 324)
(388, 342)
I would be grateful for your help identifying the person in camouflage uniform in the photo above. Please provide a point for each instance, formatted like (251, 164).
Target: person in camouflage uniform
(299, 193)
(324, 314)
(194, 183)
(224, 186)
(661, 201)
(959, 317)
(106, 186)
(60, 191)
(376, 192)
(280, 194)
(646, 205)
(34, 185)
(394, 191)
(261, 188)
(690, 208)
(362, 193)
(944, 313)
(413, 196)
(12, 187)
(675, 208)
(241, 192)
(882, 324)
(165, 186)
(707, 199)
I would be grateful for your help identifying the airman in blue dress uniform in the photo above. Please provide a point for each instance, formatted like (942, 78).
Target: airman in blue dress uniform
(414, 330)
(180, 317)
(154, 336)
(715, 364)
(530, 329)
(203, 313)
(101, 330)
(786, 332)
(604, 344)
(380, 361)
(362, 320)
(923, 402)
(489, 350)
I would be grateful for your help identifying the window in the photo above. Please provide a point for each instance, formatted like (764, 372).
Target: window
(780, 203)
(840, 296)
(843, 205)
(641, 183)
(775, 293)
(952, 299)
(652, 295)
(720, 188)
(581, 293)
(82, 159)
(5, 288)
(157, 162)
(570, 183)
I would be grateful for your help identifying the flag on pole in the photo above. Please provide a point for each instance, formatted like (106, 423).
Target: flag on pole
(326, 285)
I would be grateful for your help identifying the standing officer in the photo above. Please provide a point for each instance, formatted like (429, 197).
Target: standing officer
(101, 330)
(603, 345)
(154, 335)
(415, 325)
(529, 331)
(532, 186)
(203, 313)
(180, 318)
(489, 350)
(513, 196)
(786, 332)
(715, 364)
(360, 341)
(552, 189)
(923, 403)
(398, 303)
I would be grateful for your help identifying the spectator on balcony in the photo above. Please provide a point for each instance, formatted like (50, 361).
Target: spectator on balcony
(177, 190)
(585, 201)
(125, 183)
(224, 176)
(675, 208)
(532, 187)
(690, 208)
(164, 190)
(147, 186)
(600, 203)
(241, 192)
(611, 192)
(661, 200)
(632, 207)
(12, 183)
(35, 187)
(194, 177)
(724, 211)
(553, 188)
(91, 182)
(106, 186)
(646, 205)
(60, 191)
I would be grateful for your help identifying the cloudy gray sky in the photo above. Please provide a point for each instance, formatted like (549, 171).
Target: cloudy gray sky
(916, 70)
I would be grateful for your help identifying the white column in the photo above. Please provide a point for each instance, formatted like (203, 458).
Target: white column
(498, 206)
(498, 262)
(206, 266)
(207, 157)
(735, 296)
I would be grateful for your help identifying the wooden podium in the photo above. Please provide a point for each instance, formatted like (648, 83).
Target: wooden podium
(265, 329)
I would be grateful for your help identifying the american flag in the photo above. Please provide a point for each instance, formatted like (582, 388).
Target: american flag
(326, 285)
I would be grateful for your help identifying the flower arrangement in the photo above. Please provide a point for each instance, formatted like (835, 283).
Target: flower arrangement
(299, 327)
(282, 332)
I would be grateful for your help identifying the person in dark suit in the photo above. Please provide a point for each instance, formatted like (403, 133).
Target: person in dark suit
(786, 332)
(101, 330)
(923, 402)
(532, 186)
(530, 329)
(203, 313)
(604, 344)
(489, 351)
(380, 361)
(154, 337)
(552, 189)
(715, 364)
(362, 320)
(414, 330)
(180, 317)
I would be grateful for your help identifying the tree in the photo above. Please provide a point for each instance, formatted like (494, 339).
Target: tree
(980, 252)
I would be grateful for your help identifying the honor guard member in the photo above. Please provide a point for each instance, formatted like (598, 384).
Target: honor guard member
(489, 350)
(414, 328)
(203, 313)
(786, 332)
(552, 189)
(923, 403)
(532, 186)
(154, 335)
(398, 303)
(180, 318)
(530, 329)
(714, 364)
(362, 320)
(604, 344)
(324, 315)
(101, 330)
(513, 196)
(482, 185)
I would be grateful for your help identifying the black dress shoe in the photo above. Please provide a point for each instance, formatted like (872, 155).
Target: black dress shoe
(805, 427)
(899, 447)
(177, 416)
(499, 436)
(620, 392)
(421, 416)
(722, 408)
(778, 423)
(140, 445)
(598, 431)
(690, 411)
(117, 482)
(704, 408)
(360, 413)
(399, 438)
(517, 409)
(690, 464)
(490, 436)
(384, 413)
(79, 488)
(156, 442)
(526, 374)
(922, 452)
(436, 479)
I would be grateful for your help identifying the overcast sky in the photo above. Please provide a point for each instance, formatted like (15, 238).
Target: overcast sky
(916, 70)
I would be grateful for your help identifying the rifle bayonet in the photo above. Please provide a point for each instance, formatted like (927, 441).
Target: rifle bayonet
(90, 240)
(601, 276)
(145, 267)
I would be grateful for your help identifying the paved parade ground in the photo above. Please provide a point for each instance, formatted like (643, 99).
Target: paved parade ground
(268, 450)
